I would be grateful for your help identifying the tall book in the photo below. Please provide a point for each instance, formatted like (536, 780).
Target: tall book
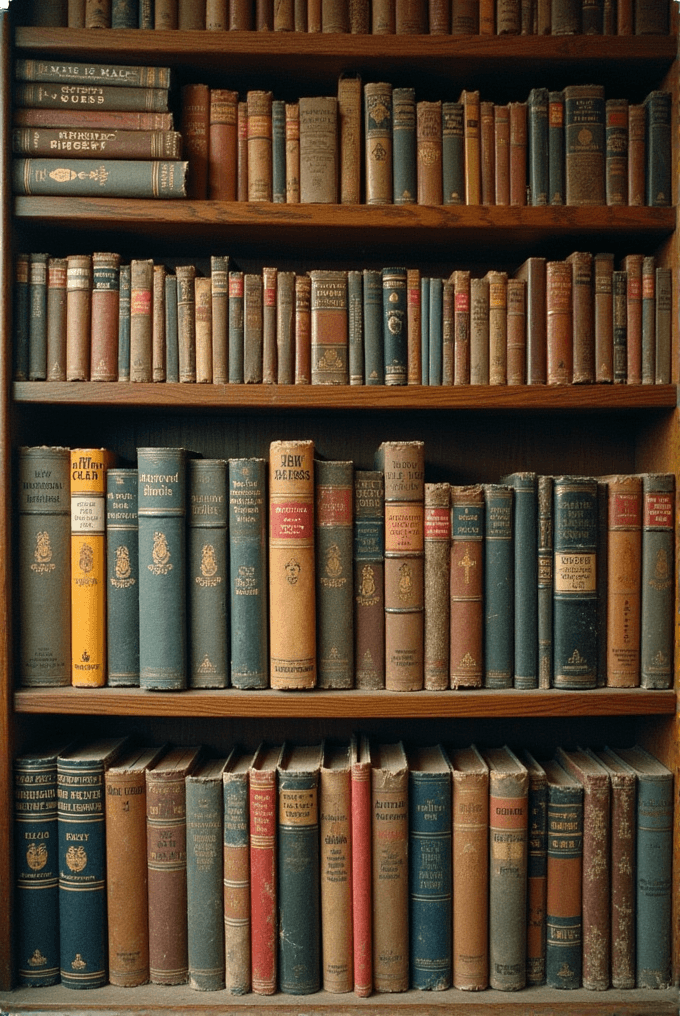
(559, 323)
(262, 812)
(122, 578)
(207, 566)
(171, 329)
(355, 326)
(141, 319)
(253, 322)
(656, 611)
(479, 331)
(565, 866)
(378, 143)
(556, 146)
(616, 151)
(204, 845)
(471, 146)
(537, 136)
(624, 550)
(453, 154)
(584, 131)
(104, 317)
(437, 600)
(78, 316)
(499, 585)
(632, 265)
(333, 518)
(395, 340)
(298, 870)
(349, 138)
(546, 562)
(166, 845)
(219, 292)
(508, 824)
(429, 152)
(236, 873)
(222, 144)
(126, 871)
(292, 601)
(362, 881)
(124, 308)
(403, 467)
(583, 324)
(248, 572)
(21, 315)
(44, 566)
(82, 863)
(36, 886)
(537, 868)
(319, 149)
(335, 837)
(88, 566)
(329, 327)
(374, 362)
(658, 147)
(533, 273)
(470, 831)
(259, 128)
(466, 586)
(430, 870)
(285, 328)
(404, 160)
(389, 825)
(603, 317)
(525, 580)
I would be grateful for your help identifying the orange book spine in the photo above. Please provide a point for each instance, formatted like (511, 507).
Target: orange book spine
(623, 581)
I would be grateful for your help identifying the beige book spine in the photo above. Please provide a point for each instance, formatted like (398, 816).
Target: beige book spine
(203, 297)
(259, 146)
(437, 533)
(336, 870)
(349, 130)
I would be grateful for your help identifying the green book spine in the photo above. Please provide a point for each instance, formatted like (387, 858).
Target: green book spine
(404, 146)
(279, 151)
(146, 13)
(565, 861)
(658, 149)
(118, 178)
(374, 363)
(453, 153)
(499, 584)
(556, 186)
(525, 536)
(162, 568)
(124, 14)
(237, 967)
(208, 587)
(369, 575)
(435, 332)
(333, 517)
(656, 628)
(425, 330)
(124, 323)
(248, 572)
(116, 75)
(21, 317)
(122, 586)
(545, 554)
(394, 326)
(537, 111)
(584, 132)
(664, 298)
(235, 328)
(171, 330)
(54, 95)
(37, 335)
(355, 307)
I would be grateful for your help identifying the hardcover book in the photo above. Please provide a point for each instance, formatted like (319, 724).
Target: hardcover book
(525, 580)
(121, 75)
(565, 867)
(56, 319)
(470, 832)
(499, 585)
(236, 862)
(537, 873)
(404, 172)
(395, 341)
(78, 316)
(437, 602)
(362, 879)
(262, 810)
(122, 574)
(334, 489)
(121, 178)
(584, 131)
(378, 142)
(656, 612)
(335, 833)
(248, 572)
(207, 553)
(624, 549)
(329, 327)
(319, 149)
(466, 586)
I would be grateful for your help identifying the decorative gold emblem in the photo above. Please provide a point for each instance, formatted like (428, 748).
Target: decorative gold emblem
(76, 858)
(405, 582)
(379, 152)
(37, 959)
(333, 562)
(379, 112)
(86, 559)
(662, 570)
(123, 567)
(585, 137)
(330, 360)
(467, 563)
(628, 564)
(394, 323)
(161, 555)
(42, 555)
(367, 581)
(293, 571)
(36, 856)
(78, 963)
(576, 660)
(206, 666)
(62, 175)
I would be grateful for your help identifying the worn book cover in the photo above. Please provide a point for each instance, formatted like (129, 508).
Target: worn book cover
(565, 869)
(122, 578)
(207, 566)
(335, 832)
(333, 516)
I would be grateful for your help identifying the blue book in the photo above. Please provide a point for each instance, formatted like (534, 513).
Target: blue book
(208, 587)
(537, 137)
(248, 572)
(279, 151)
(564, 922)
(436, 330)
(236, 328)
(122, 578)
(404, 186)
(395, 346)
(499, 585)
(425, 330)
(525, 536)
(374, 363)
(124, 289)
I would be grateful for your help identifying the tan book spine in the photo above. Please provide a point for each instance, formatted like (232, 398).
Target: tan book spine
(97, 13)
(389, 825)
(216, 15)
(186, 321)
(158, 324)
(335, 16)
(141, 321)
(508, 20)
(559, 325)
(219, 275)
(319, 149)
(242, 151)
(222, 145)
(259, 146)
(439, 17)
(378, 132)
(410, 17)
(487, 150)
(237, 885)
(603, 317)
(335, 811)
(470, 870)
(350, 135)
(203, 298)
(466, 587)
(636, 154)
(461, 327)
(472, 146)
(383, 17)
(76, 14)
(632, 265)
(284, 16)
(501, 126)
(165, 14)
(292, 153)
(448, 332)
(359, 17)
(241, 15)
(104, 309)
(518, 152)
(291, 565)
(191, 15)
(78, 315)
(583, 317)
(285, 328)
(303, 330)
(517, 334)
(195, 130)
(269, 358)
(479, 331)
(623, 580)
(429, 152)
(56, 319)
(498, 327)
(437, 540)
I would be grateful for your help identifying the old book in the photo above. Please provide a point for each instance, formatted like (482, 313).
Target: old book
(594, 779)
(82, 864)
(269, 364)
(404, 146)
(146, 13)
(453, 154)
(122, 578)
(298, 870)
(508, 824)
(222, 144)
(565, 17)
(565, 868)
(141, 320)
(253, 321)
(46, 142)
(126, 868)
(498, 327)
(236, 286)
(93, 119)
(656, 613)
(537, 864)
(259, 145)
(158, 329)
(334, 16)
(88, 565)
(461, 326)
(248, 572)
(616, 151)
(413, 327)
(487, 151)
(430, 869)
(56, 280)
(204, 849)
(43, 566)
(349, 138)
(171, 331)
(167, 864)
(435, 331)
(425, 329)
(355, 326)
(624, 539)
(448, 332)
(620, 326)
(303, 330)
(499, 585)
(374, 360)
(402, 464)
(195, 129)
(603, 317)
(395, 337)
(72, 72)
(190, 15)
(359, 17)
(658, 148)
(556, 148)
(335, 870)
(648, 320)
(601, 577)
(559, 323)
(637, 131)
(106, 96)
(501, 140)
(517, 112)
(545, 554)
(97, 13)
(472, 146)
(37, 338)
(333, 514)
(216, 15)
(236, 872)
(319, 149)
(516, 332)
(242, 150)
(437, 550)
(162, 568)
(285, 328)
(410, 17)
(279, 151)
(186, 321)
(329, 327)
(537, 141)
(262, 796)
(575, 585)
(78, 316)
(650, 19)
(124, 294)
(292, 624)
(653, 875)
(525, 577)
(389, 826)
(429, 152)
(383, 17)
(582, 317)
(292, 133)
(592, 17)
(479, 331)
(362, 910)
(466, 586)
(632, 265)
(219, 317)
(584, 127)
(465, 17)
(36, 878)
(104, 320)
(378, 143)
(207, 566)
(369, 567)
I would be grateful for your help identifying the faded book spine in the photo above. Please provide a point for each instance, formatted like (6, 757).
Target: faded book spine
(499, 586)
(329, 327)
(205, 906)
(259, 128)
(46, 95)
(78, 316)
(319, 149)
(624, 550)
(335, 819)
(122, 178)
(350, 131)
(369, 568)
(122, 587)
(437, 551)
(104, 308)
(389, 825)
(334, 485)
(248, 572)
(404, 172)
(656, 613)
(378, 143)
(88, 566)
(584, 131)
(253, 335)
(186, 321)
(466, 669)
(565, 863)
(207, 553)
(236, 871)
(525, 578)
(141, 320)
(545, 554)
(94, 119)
(124, 323)
(49, 142)
(470, 823)
(219, 290)
(395, 338)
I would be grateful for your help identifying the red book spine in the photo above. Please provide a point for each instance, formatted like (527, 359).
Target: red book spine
(559, 322)
(104, 307)
(262, 805)
(361, 878)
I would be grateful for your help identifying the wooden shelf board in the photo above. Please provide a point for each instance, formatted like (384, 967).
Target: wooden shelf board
(354, 704)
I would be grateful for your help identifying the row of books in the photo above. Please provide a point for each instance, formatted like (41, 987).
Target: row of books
(461, 17)
(372, 579)
(362, 866)
(579, 320)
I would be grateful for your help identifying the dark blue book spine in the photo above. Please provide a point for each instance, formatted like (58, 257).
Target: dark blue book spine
(404, 145)
(545, 556)
(36, 869)
(21, 318)
(430, 877)
(425, 330)
(122, 569)
(37, 342)
(208, 588)
(525, 536)
(333, 518)
(374, 362)
(537, 109)
(125, 14)
(236, 328)
(279, 151)
(556, 148)
(575, 582)
(394, 326)
(565, 853)
(499, 585)
(453, 153)
(436, 333)
(124, 291)
(171, 332)
(205, 891)
(248, 572)
(355, 310)
(658, 149)
(146, 13)
(162, 568)
(654, 882)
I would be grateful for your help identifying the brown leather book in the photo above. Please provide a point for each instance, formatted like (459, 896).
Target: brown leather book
(583, 317)
(533, 273)
(413, 327)
(448, 337)
(237, 882)
(403, 467)
(97, 13)
(498, 327)
(329, 327)
(269, 364)
(466, 586)
(559, 326)
(636, 154)
(252, 328)
(624, 17)
(241, 15)
(487, 17)
(518, 152)
(616, 152)
(437, 541)
(259, 145)
(410, 17)
(335, 16)
(378, 134)
(624, 554)
(319, 149)
(359, 17)
(292, 153)
(429, 152)
(285, 328)
(222, 145)
(284, 16)
(56, 319)
(112, 119)
(219, 276)
(472, 146)
(438, 16)
(479, 331)
(537, 880)
(465, 17)
(292, 631)
(263, 887)
(508, 17)
(389, 796)
(383, 17)
(216, 15)
(165, 14)
(78, 316)
(603, 317)
(191, 14)
(303, 330)
(76, 14)
(517, 333)
(461, 327)
(632, 265)
(335, 816)
(350, 138)
(127, 144)
(203, 327)
(487, 152)
(158, 350)
(264, 15)
(126, 867)
(104, 319)
(195, 129)
(167, 864)
(501, 126)
(186, 321)
(242, 151)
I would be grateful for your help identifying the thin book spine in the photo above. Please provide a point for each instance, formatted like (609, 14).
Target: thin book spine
(565, 866)
(499, 585)
(656, 609)
(262, 811)
(525, 596)
(207, 566)
(122, 586)
(624, 550)
(334, 515)
(78, 316)
(335, 832)
(248, 572)
(362, 912)
(437, 551)
(236, 872)
(369, 569)
(537, 874)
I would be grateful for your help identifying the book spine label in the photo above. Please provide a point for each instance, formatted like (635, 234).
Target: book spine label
(656, 618)
(88, 567)
(389, 825)
(329, 323)
(498, 586)
(263, 894)
(437, 550)
(207, 550)
(466, 587)
(369, 568)
(236, 884)
(166, 835)
(508, 807)
(248, 572)
(122, 587)
(404, 145)
(471, 880)
(334, 615)
(205, 906)
(124, 178)
(335, 815)
(395, 346)
(104, 327)
(564, 922)
(430, 892)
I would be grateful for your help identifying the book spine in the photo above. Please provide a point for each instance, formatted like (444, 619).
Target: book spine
(462, 328)
(318, 149)
(54, 95)
(466, 587)
(350, 140)
(334, 484)
(248, 572)
(564, 923)
(222, 144)
(479, 331)
(205, 906)
(403, 468)
(122, 178)
(158, 329)
(219, 278)
(242, 151)
(335, 817)
(448, 332)
(488, 151)
(653, 891)
(207, 517)
(470, 880)
(162, 568)
(36, 890)
(21, 316)
(437, 551)
(55, 71)
(46, 143)
(362, 912)
(146, 14)
(303, 330)
(88, 566)
(235, 328)
(537, 878)
(501, 143)
(389, 829)
(498, 586)
(429, 152)
(575, 584)
(425, 329)
(203, 329)
(195, 128)
(369, 566)
(623, 867)
(141, 322)
(545, 554)
(516, 332)
(259, 145)
(44, 567)
(537, 112)
(292, 613)
(584, 132)
(404, 174)
(525, 538)
(656, 615)
(413, 326)
(648, 317)
(94, 119)
(329, 327)
(658, 148)
(637, 129)
(556, 144)
(165, 14)
(263, 882)
(269, 358)
(559, 323)
(472, 146)
(124, 300)
(582, 316)
(435, 330)
(603, 317)
(498, 328)
(279, 151)
(453, 154)
(78, 316)
(292, 131)
(190, 15)
(285, 328)
(104, 304)
(171, 329)
(620, 327)
(355, 327)
(624, 550)
(236, 883)
(374, 361)
(378, 143)
(517, 112)
(186, 321)
(395, 345)
(122, 587)
(508, 820)
(616, 151)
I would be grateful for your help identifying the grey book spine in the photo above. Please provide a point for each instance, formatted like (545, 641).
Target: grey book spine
(205, 847)
(124, 324)
(207, 594)
(248, 572)
(334, 493)
(171, 334)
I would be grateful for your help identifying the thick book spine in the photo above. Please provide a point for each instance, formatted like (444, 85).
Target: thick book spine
(533, 273)
(624, 549)
(565, 863)
(430, 870)
(575, 582)
(437, 554)
(429, 152)
(124, 294)
(584, 131)
(545, 555)
(59, 72)
(94, 119)
(335, 833)
(499, 585)
(122, 571)
(222, 158)
(517, 112)
(329, 324)
(378, 143)
(333, 515)
(262, 812)
(123, 178)
(537, 869)
(236, 872)
(525, 539)
(141, 320)
(48, 142)
(318, 149)
(656, 611)
(259, 145)
(466, 587)
(362, 910)
(471, 146)
(516, 334)
(292, 617)
(88, 566)
(404, 178)
(374, 362)
(195, 127)
(537, 133)
(298, 871)
(44, 567)
(369, 569)
(559, 323)
(350, 138)
(205, 906)
(104, 308)
(46, 95)
(208, 594)
(248, 572)
(162, 568)
(395, 341)
(56, 320)
(78, 316)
